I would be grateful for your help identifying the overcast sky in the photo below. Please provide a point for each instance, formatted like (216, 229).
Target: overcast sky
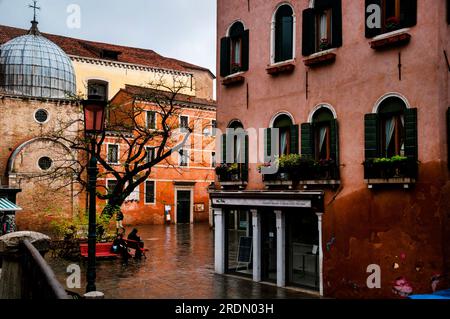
(181, 29)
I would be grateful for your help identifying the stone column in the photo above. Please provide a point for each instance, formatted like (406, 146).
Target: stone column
(256, 223)
(11, 276)
(319, 216)
(219, 241)
(281, 248)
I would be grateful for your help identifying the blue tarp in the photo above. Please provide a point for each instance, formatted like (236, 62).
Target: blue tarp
(443, 294)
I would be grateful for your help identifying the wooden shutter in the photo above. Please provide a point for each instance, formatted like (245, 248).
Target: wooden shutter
(225, 55)
(448, 137)
(371, 136)
(268, 144)
(224, 149)
(307, 140)
(334, 132)
(309, 32)
(295, 130)
(336, 28)
(448, 11)
(245, 50)
(408, 13)
(411, 134)
(287, 37)
(247, 159)
(371, 32)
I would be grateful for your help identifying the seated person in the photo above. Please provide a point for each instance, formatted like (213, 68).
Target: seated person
(120, 246)
(134, 236)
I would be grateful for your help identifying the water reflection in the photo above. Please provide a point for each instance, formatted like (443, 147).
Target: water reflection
(179, 265)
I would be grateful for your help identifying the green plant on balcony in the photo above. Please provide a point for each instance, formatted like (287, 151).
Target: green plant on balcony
(324, 44)
(228, 172)
(390, 167)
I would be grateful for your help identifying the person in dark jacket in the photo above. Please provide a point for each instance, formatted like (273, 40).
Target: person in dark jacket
(120, 247)
(134, 236)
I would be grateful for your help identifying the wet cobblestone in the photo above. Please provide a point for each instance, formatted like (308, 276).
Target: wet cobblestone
(179, 265)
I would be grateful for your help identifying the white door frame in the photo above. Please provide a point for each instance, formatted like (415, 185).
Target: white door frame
(191, 208)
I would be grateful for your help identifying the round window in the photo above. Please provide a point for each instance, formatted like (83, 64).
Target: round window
(45, 163)
(41, 116)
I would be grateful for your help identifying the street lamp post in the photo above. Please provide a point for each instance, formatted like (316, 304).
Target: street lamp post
(94, 119)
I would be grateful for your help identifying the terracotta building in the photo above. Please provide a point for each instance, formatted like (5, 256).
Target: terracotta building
(39, 76)
(177, 186)
(346, 105)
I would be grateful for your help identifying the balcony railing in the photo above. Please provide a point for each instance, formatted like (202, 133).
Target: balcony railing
(313, 173)
(232, 174)
(389, 171)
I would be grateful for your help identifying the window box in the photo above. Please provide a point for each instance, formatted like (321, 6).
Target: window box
(277, 69)
(321, 58)
(397, 170)
(232, 174)
(236, 79)
(296, 170)
(391, 40)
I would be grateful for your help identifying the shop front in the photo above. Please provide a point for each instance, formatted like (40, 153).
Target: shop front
(272, 237)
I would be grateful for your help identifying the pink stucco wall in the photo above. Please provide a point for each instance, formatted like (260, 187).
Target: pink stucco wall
(370, 226)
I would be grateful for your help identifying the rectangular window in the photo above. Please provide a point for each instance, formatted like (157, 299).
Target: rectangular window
(151, 120)
(113, 153)
(150, 197)
(323, 20)
(151, 154)
(184, 121)
(184, 158)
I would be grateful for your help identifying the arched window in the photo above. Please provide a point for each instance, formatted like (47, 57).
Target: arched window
(238, 141)
(284, 123)
(320, 138)
(392, 130)
(235, 153)
(284, 33)
(392, 127)
(234, 50)
(322, 127)
(98, 89)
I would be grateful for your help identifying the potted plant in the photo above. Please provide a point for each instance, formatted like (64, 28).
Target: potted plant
(234, 172)
(324, 44)
(235, 68)
(392, 23)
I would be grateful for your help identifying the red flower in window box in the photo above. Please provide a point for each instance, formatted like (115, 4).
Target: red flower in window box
(392, 23)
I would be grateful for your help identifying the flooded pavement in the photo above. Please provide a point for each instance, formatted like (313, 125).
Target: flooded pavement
(179, 265)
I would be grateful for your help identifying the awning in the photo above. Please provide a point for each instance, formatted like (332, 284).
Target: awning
(7, 206)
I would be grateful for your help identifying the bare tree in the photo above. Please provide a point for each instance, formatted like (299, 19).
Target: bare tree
(126, 122)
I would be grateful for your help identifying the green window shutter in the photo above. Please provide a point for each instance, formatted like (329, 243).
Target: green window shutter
(448, 136)
(411, 150)
(371, 32)
(225, 55)
(268, 143)
(371, 136)
(334, 132)
(295, 130)
(245, 50)
(224, 148)
(408, 13)
(309, 32)
(247, 160)
(336, 27)
(307, 140)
